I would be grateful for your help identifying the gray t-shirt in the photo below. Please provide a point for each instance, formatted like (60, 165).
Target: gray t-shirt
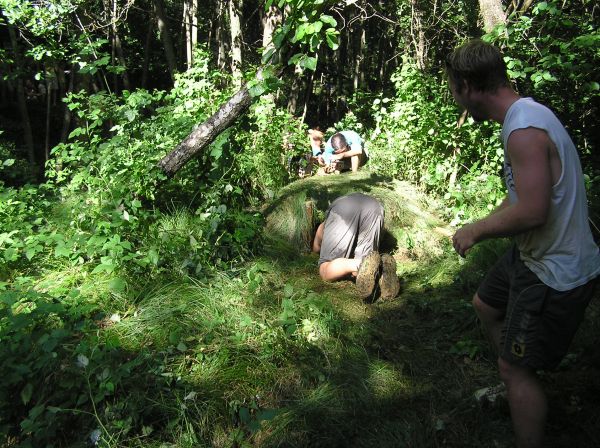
(353, 227)
(562, 252)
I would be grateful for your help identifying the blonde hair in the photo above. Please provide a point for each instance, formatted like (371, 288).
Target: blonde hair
(315, 134)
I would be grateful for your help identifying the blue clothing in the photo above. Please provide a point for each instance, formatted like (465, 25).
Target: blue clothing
(352, 138)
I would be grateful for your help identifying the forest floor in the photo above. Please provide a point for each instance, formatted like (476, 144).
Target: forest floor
(266, 354)
(418, 359)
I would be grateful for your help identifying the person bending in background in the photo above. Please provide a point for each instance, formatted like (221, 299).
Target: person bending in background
(315, 137)
(348, 242)
(344, 151)
(533, 300)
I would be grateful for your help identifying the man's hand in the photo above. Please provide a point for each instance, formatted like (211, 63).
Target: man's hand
(464, 239)
(316, 245)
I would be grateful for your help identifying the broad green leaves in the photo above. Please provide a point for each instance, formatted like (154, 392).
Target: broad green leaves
(306, 27)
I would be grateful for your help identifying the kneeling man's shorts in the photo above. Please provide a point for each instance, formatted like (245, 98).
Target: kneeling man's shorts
(540, 322)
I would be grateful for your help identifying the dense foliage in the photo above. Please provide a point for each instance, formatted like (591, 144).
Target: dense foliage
(135, 309)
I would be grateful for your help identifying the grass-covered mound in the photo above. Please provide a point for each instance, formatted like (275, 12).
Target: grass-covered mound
(412, 228)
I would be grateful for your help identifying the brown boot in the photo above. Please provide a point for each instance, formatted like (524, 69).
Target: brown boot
(389, 283)
(367, 275)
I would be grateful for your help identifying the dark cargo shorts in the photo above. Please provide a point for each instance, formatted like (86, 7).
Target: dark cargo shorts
(540, 322)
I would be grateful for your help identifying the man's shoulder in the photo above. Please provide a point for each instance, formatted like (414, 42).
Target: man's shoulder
(352, 137)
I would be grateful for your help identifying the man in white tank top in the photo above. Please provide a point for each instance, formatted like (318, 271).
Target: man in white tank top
(533, 300)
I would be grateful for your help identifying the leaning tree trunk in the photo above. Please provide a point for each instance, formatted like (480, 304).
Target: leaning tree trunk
(206, 133)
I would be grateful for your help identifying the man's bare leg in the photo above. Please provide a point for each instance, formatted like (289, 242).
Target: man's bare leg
(492, 320)
(339, 268)
(355, 163)
(527, 401)
(526, 398)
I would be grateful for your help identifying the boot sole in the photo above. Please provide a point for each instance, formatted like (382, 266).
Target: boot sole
(389, 282)
(367, 275)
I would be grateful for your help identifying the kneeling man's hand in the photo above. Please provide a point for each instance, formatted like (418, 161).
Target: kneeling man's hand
(464, 239)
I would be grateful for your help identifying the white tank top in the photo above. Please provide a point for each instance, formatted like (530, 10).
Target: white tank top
(562, 252)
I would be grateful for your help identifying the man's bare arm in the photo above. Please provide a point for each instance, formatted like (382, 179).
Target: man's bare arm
(354, 150)
(528, 150)
(316, 246)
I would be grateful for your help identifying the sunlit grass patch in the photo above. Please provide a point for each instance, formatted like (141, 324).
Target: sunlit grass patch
(386, 381)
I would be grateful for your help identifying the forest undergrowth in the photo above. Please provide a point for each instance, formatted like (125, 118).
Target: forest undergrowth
(266, 354)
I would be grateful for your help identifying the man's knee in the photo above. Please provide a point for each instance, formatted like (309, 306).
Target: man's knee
(485, 311)
(510, 372)
(325, 272)
(476, 301)
(505, 369)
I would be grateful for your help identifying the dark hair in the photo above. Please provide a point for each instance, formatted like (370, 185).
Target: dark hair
(478, 63)
(338, 141)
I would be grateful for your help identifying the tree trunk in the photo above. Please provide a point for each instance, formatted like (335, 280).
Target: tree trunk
(220, 36)
(492, 14)
(147, 48)
(418, 35)
(307, 94)
(66, 111)
(271, 20)
(190, 20)
(206, 133)
(235, 13)
(165, 35)
(194, 26)
(118, 48)
(27, 132)
(48, 110)
(294, 94)
(359, 67)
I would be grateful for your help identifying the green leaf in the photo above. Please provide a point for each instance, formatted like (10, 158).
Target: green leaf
(117, 284)
(257, 89)
(76, 132)
(26, 393)
(332, 40)
(300, 33)
(288, 290)
(30, 253)
(62, 251)
(267, 55)
(8, 162)
(130, 115)
(294, 59)
(104, 267)
(153, 257)
(309, 62)
(328, 20)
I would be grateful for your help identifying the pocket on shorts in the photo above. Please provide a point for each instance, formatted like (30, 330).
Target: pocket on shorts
(530, 293)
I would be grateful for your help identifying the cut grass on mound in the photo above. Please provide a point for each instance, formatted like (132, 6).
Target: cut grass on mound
(412, 228)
